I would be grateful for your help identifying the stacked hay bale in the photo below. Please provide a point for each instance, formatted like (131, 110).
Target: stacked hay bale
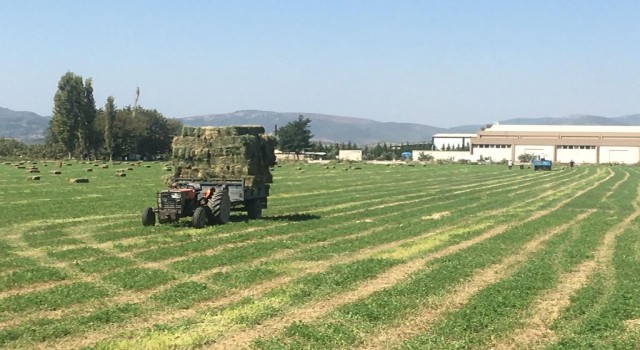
(232, 152)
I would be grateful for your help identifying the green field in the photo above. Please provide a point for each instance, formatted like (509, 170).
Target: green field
(346, 257)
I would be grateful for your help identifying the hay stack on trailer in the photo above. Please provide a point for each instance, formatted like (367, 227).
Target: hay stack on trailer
(224, 153)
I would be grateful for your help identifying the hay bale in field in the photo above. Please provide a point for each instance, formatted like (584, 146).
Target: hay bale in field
(34, 178)
(79, 181)
(21, 167)
(104, 166)
(7, 163)
(120, 171)
(33, 170)
(121, 174)
(89, 169)
(147, 166)
(56, 172)
(96, 165)
(69, 164)
(166, 169)
(129, 169)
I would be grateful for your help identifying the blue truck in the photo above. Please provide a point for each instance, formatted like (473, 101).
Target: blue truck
(541, 164)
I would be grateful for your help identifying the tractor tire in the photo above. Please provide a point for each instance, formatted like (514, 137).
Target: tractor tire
(148, 217)
(254, 208)
(199, 219)
(220, 206)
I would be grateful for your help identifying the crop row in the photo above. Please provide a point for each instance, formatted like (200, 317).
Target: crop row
(257, 311)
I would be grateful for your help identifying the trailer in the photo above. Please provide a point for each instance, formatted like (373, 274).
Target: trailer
(207, 202)
(217, 170)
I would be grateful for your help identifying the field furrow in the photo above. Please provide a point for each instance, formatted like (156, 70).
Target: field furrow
(447, 256)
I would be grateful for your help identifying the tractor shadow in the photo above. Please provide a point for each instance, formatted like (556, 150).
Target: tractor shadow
(298, 217)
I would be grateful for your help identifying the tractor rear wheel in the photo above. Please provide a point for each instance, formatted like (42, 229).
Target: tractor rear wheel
(148, 217)
(199, 219)
(220, 206)
(254, 208)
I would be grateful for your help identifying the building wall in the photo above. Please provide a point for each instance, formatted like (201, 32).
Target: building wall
(618, 154)
(441, 142)
(563, 143)
(495, 152)
(542, 151)
(444, 155)
(280, 156)
(353, 155)
(577, 155)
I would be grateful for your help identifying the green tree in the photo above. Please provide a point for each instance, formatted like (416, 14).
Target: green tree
(68, 109)
(11, 148)
(109, 120)
(87, 134)
(526, 157)
(153, 132)
(295, 136)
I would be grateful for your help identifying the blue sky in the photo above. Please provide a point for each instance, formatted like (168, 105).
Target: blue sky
(442, 63)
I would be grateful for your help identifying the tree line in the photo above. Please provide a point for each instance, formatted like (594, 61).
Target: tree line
(81, 130)
(78, 129)
(295, 137)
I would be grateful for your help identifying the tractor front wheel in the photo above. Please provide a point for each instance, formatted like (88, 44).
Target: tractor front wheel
(148, 217)
(199, 219)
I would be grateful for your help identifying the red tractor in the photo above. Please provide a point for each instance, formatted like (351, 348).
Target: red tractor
(206, 202)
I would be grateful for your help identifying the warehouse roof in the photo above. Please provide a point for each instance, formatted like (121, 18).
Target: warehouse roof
(565, 128)
(454, 135)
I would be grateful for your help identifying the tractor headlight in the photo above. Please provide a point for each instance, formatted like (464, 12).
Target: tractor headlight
(175, 195)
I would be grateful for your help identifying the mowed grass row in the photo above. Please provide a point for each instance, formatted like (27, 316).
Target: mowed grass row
(154, 336)
(249, 276)
(351, 324)
(490, 313)
(79, 253)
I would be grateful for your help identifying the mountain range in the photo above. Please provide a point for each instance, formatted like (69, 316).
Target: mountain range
(29, 127)
(25, 126)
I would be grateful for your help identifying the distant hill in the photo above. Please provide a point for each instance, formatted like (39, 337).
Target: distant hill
(326, 128)
(29, 127)
(25, 126)
(633, 119)
(571, 120)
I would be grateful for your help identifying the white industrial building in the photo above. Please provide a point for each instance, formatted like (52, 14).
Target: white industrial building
(354, 155)
(441, 141)
(560, 143)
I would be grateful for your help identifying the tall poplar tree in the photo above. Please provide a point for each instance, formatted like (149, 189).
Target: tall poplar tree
(86, 124)
(68, 109)
(110, 114)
